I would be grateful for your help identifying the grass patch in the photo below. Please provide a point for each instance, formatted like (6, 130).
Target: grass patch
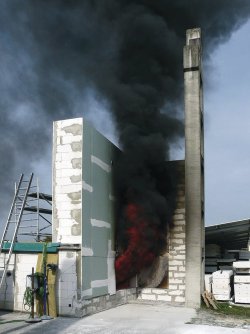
(226, 308)
(232, 310)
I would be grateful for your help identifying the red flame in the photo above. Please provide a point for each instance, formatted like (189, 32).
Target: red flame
(138, 254)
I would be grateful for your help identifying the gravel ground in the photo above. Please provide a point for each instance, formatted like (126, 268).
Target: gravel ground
(211, 318)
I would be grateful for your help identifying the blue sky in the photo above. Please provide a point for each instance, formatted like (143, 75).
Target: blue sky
(227, 131)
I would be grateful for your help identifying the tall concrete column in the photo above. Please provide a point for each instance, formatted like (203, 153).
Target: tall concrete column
(194, 168)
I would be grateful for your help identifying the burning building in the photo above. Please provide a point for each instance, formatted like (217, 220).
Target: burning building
(125, 224)
(117, 240)
(153, 261)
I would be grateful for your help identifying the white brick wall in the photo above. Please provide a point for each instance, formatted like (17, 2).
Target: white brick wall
(66, 282)
(177, 255)
(67, 180)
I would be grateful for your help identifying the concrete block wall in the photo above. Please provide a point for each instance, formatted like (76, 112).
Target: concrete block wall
(175, 293)
(67, 181)
(67, 279)
(82, 307)
(69, 299)
(23, 267)
(12, 292)
(83, 201)
(7, 289)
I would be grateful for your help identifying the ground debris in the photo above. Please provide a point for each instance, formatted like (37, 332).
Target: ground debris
(211, 318)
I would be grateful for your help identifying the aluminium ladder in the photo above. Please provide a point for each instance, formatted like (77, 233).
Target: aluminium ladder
(14, 220)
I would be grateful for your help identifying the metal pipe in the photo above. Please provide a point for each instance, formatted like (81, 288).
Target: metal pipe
(33, 292)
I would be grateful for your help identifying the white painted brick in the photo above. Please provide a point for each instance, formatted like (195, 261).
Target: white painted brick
(179, 235)
(69, 122)
(64, 148)
(68, 270)
(176, 241)
(60, 133)
(71, 155)
(159, 291)
(179, 222)
(172, 268)
(67, 206)
(58, 140)
(179, 211)
(175, 281)
(66, 310)
(181, 286)
(172, 254)
(181, 269)
(68, 239)
(146, 290)
(66, 222)
(173, 286)
(66, 214)
(180, 299)
(178, 229)
(63, 293)
(70, 139)
(63, 284)
(63, 164)
(164, 298)
(130, 291)
(179, 275)
(175, 263)
(178, 217)
(71, 188)
(58, 156)
(175, 293)
(62, 198)
(180, 247)
(180, 257)
(61, 181)
(148, 296)
(67, 172)
(18, 306)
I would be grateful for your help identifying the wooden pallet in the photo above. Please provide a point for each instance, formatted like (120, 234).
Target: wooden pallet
(209, 300)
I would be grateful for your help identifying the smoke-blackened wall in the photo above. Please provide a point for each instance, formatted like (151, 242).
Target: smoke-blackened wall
(130, 54)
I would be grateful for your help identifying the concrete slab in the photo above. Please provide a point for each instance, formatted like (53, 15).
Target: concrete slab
(13, 322)
(127, 319)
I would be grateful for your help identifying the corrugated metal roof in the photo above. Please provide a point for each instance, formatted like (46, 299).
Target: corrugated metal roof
(233, 235)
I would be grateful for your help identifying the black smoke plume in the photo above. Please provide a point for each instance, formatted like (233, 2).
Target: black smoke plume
(52, 53)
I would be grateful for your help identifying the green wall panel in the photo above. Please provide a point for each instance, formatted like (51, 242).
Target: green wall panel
(97, 206)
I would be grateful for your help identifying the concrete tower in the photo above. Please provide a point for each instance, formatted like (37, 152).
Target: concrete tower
(194, 167)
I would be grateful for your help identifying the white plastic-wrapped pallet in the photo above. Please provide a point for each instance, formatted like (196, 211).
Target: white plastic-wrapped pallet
(242, 282)
(222, 284)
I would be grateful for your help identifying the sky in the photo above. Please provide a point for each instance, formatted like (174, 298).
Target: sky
(227, 131)
(226, 97)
